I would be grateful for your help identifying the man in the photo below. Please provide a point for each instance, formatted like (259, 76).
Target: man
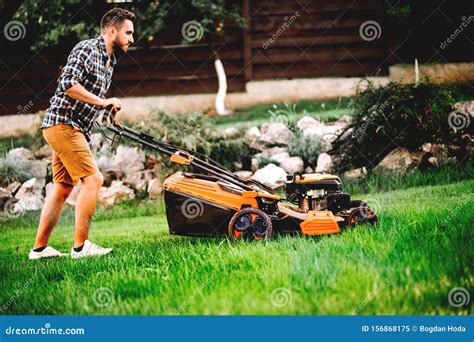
(80, 95)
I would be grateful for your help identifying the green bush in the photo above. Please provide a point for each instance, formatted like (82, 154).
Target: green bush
(14, 170)
(391, 116)
(305, 148)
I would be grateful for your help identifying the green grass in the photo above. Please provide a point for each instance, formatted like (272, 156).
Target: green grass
(422, 248)
(325, 110)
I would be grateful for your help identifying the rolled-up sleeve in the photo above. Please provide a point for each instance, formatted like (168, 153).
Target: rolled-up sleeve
(79, 64)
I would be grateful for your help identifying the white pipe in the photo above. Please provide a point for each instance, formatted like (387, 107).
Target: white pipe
(417, 72)
(221, 93)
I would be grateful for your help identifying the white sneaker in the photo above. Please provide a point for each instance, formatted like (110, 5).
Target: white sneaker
(89, 249)
(48, 252)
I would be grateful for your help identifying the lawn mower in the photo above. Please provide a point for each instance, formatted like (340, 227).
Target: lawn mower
(210, 200)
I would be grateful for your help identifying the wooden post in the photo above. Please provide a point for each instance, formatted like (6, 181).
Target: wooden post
(247, 48)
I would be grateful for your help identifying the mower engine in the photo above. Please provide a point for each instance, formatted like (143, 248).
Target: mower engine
(317, 192)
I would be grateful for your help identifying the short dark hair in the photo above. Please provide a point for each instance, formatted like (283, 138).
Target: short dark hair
(115, 17)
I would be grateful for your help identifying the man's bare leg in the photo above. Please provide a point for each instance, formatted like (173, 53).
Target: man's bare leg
(50, 213)
(85, 206)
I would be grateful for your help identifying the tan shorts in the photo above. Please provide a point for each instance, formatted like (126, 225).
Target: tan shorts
(72, 157)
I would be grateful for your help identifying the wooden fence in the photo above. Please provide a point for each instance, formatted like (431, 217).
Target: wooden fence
(284, 39)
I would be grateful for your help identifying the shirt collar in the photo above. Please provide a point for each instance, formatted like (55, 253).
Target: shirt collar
(103, 50)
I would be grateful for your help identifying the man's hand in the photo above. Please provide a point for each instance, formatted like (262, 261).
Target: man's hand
(114, 102)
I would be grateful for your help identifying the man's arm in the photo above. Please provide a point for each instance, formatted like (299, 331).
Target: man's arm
(78, 92)
(78, 65)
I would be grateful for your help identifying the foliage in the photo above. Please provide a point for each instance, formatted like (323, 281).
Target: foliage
(50, 22)
(14, 170)
(306, 148)
(391, 116)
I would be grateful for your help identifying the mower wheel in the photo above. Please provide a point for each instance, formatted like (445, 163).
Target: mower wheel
(361, 215)
(250, 223)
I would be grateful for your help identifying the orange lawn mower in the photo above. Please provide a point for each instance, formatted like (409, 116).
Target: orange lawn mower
(212, 201)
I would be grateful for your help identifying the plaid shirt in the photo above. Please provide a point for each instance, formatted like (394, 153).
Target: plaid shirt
(86, 65)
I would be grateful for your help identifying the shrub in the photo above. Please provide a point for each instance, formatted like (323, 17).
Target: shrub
(391, 116)
(14, 170)
(305, 148)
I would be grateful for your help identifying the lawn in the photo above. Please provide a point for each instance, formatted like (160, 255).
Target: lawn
(422, 248)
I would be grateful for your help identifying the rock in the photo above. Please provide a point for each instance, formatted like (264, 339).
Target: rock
(110, 175)
(246, 175)
(154, 188)
(252, 134)
(30, 194)
(307, 122)
(5, 195)
(45, 152)
(344, 120)
(39, 168)
(331, 132)
(311, 128)
(426, 147)
(275, 134)
(231, 132)
(398, 160)
(21, 153)
(356, 173)
(115, 193)
(467, 107)
(433, 161)
(48, 189)
(271, 175)
(96, 141)
(14, 187)
(139, 180)
(308, 170)
(324, 163)
(129, 159)
(292, 165)
(280, 157)
(237, 166)
(441, 153)
(254, 164)
(269, 153)
(72, 199)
